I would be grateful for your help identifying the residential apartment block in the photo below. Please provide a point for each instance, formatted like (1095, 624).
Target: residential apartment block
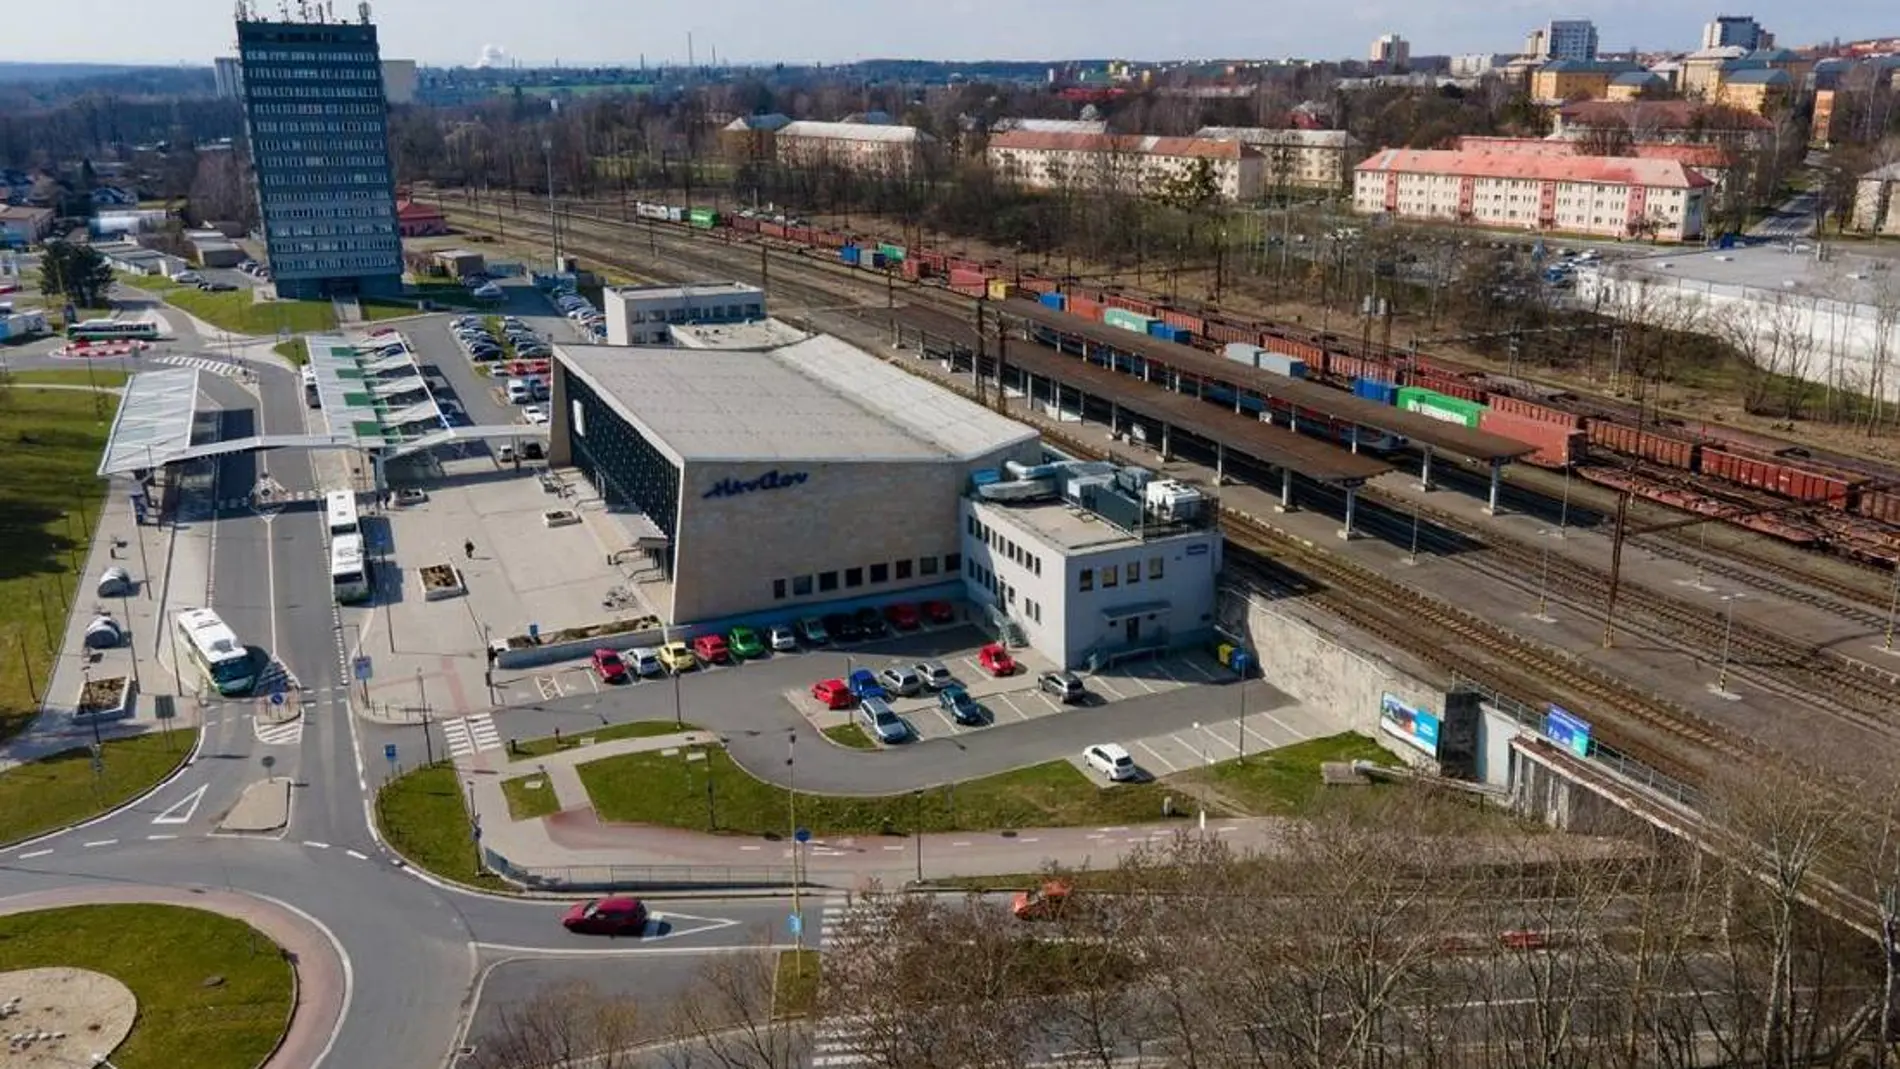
(1711, 161)
(1131, 164)
(1308, 159)
(852, 146)
(1877, 201)
(1661, 120)
(1578, 79)
(1610, 196)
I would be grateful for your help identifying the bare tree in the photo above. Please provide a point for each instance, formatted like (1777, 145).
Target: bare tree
(729, 1018)
(560, 1027)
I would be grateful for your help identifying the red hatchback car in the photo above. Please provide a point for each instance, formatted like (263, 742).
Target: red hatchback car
(939, 612)
(610, 667)
(833, 694)
(607, 916)
(902, 616)
(996, 660)
(712, 649)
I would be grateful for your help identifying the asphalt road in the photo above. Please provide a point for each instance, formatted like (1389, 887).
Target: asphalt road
(1794, 218)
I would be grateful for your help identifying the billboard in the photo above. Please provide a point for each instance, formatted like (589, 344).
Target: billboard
(1416, 727)
(1567, 731)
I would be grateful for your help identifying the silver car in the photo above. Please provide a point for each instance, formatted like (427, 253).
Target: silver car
(883, 722)
(782, 639)
(935, 675)
(901, 679)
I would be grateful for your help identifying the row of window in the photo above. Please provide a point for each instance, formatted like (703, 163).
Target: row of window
(281, 248)
(302, 178)
(266, 72)
(329, 126)
(1110, 576)
(1003, 545)
(268, 160)
(308, 264)
(361, 91)
(1003, 592)
(341, 230)
(803, 586)
(317, 109)
(709, 313)
(258, 55)
(332, 144)
(365, 211)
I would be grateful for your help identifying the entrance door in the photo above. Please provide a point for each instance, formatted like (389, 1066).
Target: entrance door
(1132, 628)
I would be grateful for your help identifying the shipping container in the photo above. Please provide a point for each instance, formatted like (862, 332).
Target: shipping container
(1055, 300)
(772, 230)
(1558, 446)
(1785, 480)
(703, 218)
(849, 254)
(968, 281)
(1630, 442)
(1038, 285)
(1223, 331)
(1170, 332)
(1532, 410)
(893, 253)
(1086, 307)
(743, 223)
(999, 289)
(1435, 405)
(1116, 316)
(1386, 393)
(916, 269)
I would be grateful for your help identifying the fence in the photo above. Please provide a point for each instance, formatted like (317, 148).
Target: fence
(629, 877)
(1609, 757)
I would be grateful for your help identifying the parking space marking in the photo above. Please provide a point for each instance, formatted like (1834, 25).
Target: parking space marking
(1220, 739)
(1198, 670)
(1162, 669)
(550, 687)
(1157, 756)
(1197, 753)
(594, 678)
(1005, 699)
(1054, 706)
(1102, 682)
(1143, 683)
(1298, 735)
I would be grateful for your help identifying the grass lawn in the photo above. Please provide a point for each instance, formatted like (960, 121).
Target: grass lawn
(165, 954)
(850, 735)
(376, 311)
(1286, 781)
(149, 283)
(239, 313)
(293, 351)
(638, 729)
(46, 484)
(648, 788)
(446, 293)
(60, 790)
(530, 796)
(423, 817)
(102, 376)
(795, 984)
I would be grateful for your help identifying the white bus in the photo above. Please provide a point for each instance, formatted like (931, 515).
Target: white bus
(349, 570)
(215, 649)
(310, 397)
(340, 508)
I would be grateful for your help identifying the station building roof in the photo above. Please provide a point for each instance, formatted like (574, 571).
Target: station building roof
(153, 426)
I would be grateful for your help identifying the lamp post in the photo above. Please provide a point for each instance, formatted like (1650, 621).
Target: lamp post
(1412, 556)
(1200, 740)
(1543, 589)
(1893, 602)
(791, 799)
(917, 830)
(1720, 686)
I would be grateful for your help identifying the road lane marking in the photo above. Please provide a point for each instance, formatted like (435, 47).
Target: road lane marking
(34, 853)
(316, 845)
(357, 856)
(961, 842)
(159, 838)
(99, 842)
(189, 804)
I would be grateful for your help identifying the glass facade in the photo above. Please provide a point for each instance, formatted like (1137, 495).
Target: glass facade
(318, 127)
(627, 469)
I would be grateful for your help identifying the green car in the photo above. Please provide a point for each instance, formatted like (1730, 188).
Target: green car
(745, 643)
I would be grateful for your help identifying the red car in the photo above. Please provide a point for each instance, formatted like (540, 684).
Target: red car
(609, 666)
(712, 649)
(939, 612)
(607, 916)
(833, 694)
(996, 660)
(902, 616)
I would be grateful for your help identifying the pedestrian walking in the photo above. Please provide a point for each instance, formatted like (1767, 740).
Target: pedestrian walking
(468, 547)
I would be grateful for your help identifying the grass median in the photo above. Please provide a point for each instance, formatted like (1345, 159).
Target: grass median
(212, 992)
(424, 817)
(49, 499)
(638, 729)
(850, 736)
(62, 789)
(531, 796)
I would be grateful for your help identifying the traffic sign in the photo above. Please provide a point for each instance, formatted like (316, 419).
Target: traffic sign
(277, 697)
(361, 668)
(389, 752)
(795, 923)
(803, 835)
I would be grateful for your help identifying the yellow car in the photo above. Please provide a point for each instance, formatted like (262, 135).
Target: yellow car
(677, 658)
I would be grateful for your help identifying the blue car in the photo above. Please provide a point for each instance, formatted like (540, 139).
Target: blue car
(864, 684)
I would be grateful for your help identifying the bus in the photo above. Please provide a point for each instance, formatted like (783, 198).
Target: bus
(113, 330)
(215, 649)
(310, 397)
(349, 570)
(339, 506)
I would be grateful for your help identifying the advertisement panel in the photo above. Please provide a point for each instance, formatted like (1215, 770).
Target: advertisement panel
(1416, 727)
(1568, 731)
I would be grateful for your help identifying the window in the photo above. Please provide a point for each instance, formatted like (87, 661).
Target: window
(880, 573)
(1154, 567)
(801, 586)
(1035, 564)
(969, 526)
(778, 590)
(952, 561)
(1134, 572)
(1085, 580)
(903, 569)
(853, 577)
(927, 566)
(1111, 577)
(827, 582)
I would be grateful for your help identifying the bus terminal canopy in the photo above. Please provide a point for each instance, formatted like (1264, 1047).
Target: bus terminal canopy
(154, 423)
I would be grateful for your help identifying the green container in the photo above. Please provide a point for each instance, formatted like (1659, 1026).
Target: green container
(703, 218)
(1127, 320)
(1435, 405)
(893, 253)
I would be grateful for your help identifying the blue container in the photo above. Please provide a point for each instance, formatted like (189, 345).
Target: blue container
(849, 254)
(1057, 301)
(877, 260)
(1169, 332)
(1386, 393)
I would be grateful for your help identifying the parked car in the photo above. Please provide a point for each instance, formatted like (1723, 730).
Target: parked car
(1046, 903)
(871, 623)
(833, 694)
(1066, 686)
(935, 675)
(644, 660)
(842, 627)
(1110, 760)
(619, 915)
(864, 684)
(939, 612)
(901, 680)
(902, 615)
(782, 639)
(534, 414)
(812, 631)
(882, 720)
(962, 708)
(745, 643)
(996, 660)
(712, 649)
(677, 658)
(609, 666)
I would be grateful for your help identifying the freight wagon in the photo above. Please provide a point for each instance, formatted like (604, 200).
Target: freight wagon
(1558, 446)
(1782, 480)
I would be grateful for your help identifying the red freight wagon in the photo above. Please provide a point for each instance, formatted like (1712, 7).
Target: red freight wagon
(1450, 387)
(968, 281)
(1304, 350)
(1882, 505)
(1132, 304)
(1086, 307)
(1798, 484)
(1038, 285)
(1558, 446)
(1183, 320)
(957, 264)
(1532, 410)
(1222, 331)
(742, 223)
(1629, 441)
(1353, 367)
(772, 230)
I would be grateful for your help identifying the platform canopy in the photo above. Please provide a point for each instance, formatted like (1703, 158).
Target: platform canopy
(153, 427)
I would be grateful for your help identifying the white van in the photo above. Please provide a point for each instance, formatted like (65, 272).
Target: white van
(519, 392)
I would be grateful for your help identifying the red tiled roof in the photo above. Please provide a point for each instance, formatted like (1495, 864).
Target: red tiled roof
(1695, 155)
(1660, 115)
(1606, 170)
(1126, 143)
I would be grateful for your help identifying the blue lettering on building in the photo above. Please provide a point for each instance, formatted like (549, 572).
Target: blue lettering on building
(771, 480)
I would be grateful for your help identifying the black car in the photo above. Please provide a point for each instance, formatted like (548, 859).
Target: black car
(962, 708)
(871, 622)
(812, 631)
(842, 628)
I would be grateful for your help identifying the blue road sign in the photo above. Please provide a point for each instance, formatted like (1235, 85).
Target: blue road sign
(1567, 730)
(277, 697)
(795, 923)
(534, 632)
(803, 835)
(361, 667)
(389, 752)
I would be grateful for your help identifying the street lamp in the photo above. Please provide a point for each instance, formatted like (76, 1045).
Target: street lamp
(1542, 615)
(1893, 602)
(1200, 740)
(1720, 687)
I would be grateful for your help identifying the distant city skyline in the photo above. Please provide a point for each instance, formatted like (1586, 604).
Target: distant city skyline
(599, 33)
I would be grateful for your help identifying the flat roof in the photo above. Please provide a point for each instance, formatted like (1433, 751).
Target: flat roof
(686, 290)
(1336, 404)
(1078, 530)
(153, 426)
(1843, 276)
(819, 399)
(754, 334)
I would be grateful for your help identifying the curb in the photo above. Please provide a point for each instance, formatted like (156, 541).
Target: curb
(183, 765)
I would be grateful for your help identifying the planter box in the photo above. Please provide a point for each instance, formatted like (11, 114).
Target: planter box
(560, 518)
(101, 700)
(441, 581)
(565, 646)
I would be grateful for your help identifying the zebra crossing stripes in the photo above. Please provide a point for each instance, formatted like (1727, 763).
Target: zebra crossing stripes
(271, 733)
(471, 735)
(840, 1041)
(216, 367)
(845, 921)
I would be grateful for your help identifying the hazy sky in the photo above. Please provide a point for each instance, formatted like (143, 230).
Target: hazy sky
(580, 32)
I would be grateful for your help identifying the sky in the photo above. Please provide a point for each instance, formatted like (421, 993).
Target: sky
(598, 32)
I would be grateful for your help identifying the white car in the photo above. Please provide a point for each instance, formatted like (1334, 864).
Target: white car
(935, 675)
(782, 639)
(644, 660)
(534, 414)
(1111, 760)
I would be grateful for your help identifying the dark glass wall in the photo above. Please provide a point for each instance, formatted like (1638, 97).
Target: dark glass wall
(628, 470)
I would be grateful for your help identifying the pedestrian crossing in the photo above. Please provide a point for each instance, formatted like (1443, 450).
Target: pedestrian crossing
(848, 921)
(471, 735)
(280, 497)
(842, 1041)
(216, 367)
(271, 733)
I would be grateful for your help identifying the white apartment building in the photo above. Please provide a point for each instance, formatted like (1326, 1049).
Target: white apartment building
(1877, 202)
(1610, 196)
(853, 146)
(1311, 159)
(1131, 164)
(645, 315)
